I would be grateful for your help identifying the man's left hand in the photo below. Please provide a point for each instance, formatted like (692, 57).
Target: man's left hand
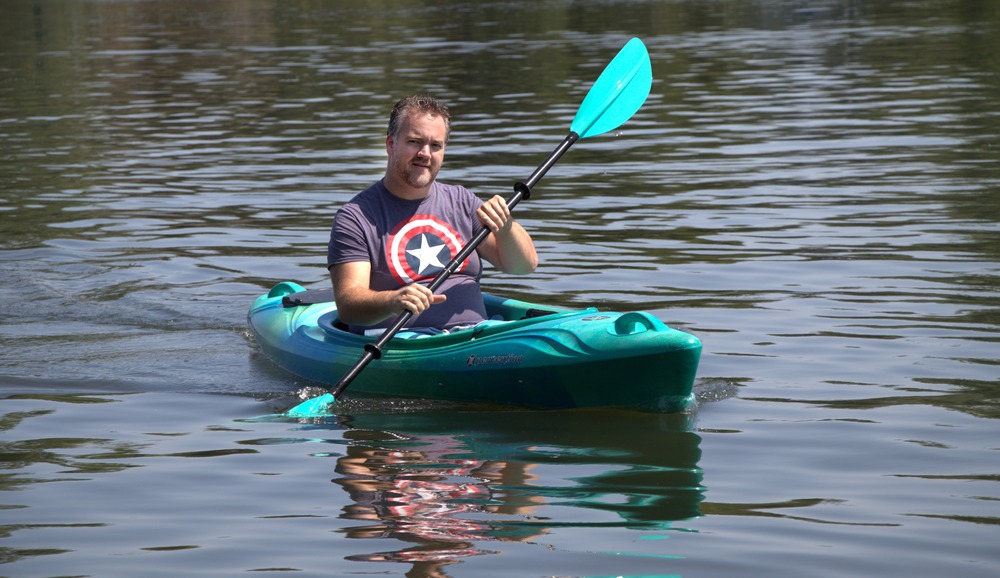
(495, 215)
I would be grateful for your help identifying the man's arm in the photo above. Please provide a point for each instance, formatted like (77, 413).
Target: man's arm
(510, 247)
(358, 304)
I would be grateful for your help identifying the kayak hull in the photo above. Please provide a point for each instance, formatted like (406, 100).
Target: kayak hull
(544, 357)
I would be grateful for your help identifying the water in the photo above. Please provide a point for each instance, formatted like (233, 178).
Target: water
(812, 189)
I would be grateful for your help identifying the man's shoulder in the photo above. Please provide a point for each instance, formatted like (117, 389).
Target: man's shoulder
(373, 192)
(364, 202)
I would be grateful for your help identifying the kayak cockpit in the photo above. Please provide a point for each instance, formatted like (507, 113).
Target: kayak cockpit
(506, 315)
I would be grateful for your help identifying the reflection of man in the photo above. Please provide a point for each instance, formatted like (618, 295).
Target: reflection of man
(472, 485)
(390, 241)
(430, 499)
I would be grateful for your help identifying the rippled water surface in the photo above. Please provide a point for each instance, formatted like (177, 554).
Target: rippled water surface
(812, 188)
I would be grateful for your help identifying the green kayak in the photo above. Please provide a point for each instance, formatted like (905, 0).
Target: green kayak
(537, 356)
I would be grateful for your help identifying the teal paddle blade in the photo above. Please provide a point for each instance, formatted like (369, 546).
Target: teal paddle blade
(315, 407)
(618, 92)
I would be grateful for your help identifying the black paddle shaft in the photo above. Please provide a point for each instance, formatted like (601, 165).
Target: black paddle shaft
(522, 190)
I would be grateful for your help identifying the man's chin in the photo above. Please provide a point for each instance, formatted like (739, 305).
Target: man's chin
(421, 179)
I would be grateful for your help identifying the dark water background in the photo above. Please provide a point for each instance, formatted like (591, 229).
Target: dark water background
(813, 188)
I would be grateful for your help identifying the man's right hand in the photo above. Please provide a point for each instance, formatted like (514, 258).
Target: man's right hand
(358, 304)
(416, 298)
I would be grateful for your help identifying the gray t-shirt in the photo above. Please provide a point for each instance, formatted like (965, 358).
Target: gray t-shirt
(411, 241)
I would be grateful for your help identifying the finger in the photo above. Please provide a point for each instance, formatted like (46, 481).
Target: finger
(409, 300)
(501, 204)
(484, 217)
(501, 211)
(491, 217)
(408, 303)
(417, 298)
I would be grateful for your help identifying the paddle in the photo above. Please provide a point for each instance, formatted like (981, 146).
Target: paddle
(616, 95)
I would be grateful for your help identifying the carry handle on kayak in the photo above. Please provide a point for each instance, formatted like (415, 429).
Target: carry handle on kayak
(618, 93)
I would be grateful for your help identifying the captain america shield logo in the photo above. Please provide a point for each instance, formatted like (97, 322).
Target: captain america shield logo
(421, 247)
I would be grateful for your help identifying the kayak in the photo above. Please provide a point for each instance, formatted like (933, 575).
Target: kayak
(528, 355)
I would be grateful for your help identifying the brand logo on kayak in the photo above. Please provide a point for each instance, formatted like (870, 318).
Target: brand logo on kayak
(595, 318)
(421, 247)
(509, 359)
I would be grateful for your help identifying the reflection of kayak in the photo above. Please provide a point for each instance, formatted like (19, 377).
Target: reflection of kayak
(512, 475)
(540, 357)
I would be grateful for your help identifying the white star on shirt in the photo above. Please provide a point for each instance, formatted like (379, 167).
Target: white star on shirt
(427, 255)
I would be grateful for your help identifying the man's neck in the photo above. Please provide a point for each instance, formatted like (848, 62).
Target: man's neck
(404, 191)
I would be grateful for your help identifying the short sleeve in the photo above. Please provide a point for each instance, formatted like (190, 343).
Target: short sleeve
(348, 240)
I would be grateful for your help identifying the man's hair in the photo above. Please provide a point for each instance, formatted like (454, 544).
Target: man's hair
(418, 104)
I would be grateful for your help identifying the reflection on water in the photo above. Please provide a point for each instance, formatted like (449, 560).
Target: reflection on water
(425, 486)
(447, 485)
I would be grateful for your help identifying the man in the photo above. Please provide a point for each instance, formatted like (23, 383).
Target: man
(390, 241)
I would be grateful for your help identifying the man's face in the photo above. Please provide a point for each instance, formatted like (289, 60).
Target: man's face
(417, 151)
